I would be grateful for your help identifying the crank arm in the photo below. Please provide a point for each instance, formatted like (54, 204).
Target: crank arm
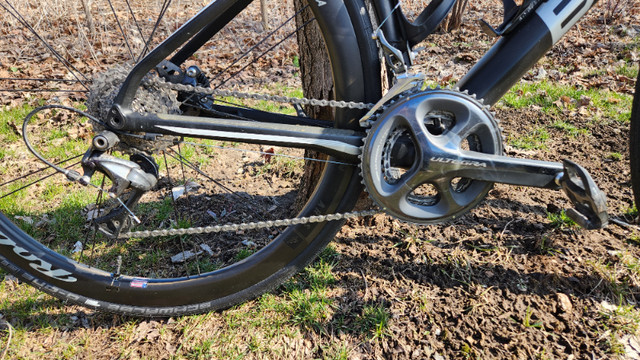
(589, 201)
(500, 169)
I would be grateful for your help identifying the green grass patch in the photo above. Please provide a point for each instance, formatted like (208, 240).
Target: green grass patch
(374, 320)
(628, 70)
(553, 98)
(535, 139)
(561, 220)
(11, 121)
(569, 129)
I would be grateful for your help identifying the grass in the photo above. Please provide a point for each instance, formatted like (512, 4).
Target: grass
(570, 129)
(527, 319)
(282, 166)
(619, 274)
(10, 120)
(561, 220)
(325, 312)
(265, 326)
(628, 70)
(534, 140)
(552, 99)
(374, 320)
(618, 321)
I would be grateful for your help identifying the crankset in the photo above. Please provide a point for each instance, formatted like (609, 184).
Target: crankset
(432, 155)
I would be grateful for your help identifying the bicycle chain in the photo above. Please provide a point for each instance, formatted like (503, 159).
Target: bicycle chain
(251, 96)
(163, 85)
(249, 226)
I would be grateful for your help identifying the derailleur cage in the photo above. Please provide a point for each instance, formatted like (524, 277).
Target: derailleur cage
(131, 179)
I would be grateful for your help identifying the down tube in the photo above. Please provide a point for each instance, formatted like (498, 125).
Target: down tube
(516, 52)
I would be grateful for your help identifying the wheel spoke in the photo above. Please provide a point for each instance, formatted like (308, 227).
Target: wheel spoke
(72, 69)
(135, 21)
(44, 90)
(183, 161)
(38, 180)
(163, 10)
(263, 54)
(246, 53)
(124, 35)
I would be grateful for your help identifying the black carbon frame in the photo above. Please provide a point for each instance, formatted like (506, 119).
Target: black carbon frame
(193, 35)
(518, 51)
(501, 67)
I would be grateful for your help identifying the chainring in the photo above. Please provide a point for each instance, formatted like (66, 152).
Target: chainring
(426, 183)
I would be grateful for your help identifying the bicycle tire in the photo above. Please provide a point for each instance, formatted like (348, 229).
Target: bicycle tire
(634, 144)
(294, 248)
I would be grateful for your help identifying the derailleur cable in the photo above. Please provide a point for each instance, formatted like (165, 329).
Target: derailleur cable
(71, 174)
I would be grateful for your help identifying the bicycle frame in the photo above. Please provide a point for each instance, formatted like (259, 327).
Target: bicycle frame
(496, 72)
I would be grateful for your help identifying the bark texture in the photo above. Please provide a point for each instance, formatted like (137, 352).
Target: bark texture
(317, 83)
(456, 17)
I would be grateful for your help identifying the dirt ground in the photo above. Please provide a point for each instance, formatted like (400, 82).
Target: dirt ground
(512, 279)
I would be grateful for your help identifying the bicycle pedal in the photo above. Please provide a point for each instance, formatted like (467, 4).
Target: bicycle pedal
(590, 202)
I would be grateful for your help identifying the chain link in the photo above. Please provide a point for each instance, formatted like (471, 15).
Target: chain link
(249, 96)
(248, 226)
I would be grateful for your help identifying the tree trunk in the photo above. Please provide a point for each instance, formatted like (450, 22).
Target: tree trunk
(265, 15)
(317, 83)
(86, 6)
(455, 18)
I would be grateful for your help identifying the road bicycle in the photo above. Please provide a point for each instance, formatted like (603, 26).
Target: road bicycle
(106, 223)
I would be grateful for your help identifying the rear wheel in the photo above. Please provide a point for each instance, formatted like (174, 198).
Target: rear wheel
(61, 236)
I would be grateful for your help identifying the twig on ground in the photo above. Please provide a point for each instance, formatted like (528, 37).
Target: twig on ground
(10, 329)
(505, 228)
(366, 286)
(624, 224)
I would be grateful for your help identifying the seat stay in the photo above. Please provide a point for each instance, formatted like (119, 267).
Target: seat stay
(208, 21)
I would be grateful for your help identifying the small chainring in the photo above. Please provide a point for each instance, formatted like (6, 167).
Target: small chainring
(413, 163)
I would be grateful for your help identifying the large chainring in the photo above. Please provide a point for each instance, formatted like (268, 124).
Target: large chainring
(412, 163)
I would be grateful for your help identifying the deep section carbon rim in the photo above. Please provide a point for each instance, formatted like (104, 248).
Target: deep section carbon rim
(200, 183)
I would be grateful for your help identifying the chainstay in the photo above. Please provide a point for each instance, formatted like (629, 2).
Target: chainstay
(250, 96)
(161, 84)
(248, 226)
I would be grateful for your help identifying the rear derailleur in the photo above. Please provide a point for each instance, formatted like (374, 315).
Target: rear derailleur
(130, 180)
